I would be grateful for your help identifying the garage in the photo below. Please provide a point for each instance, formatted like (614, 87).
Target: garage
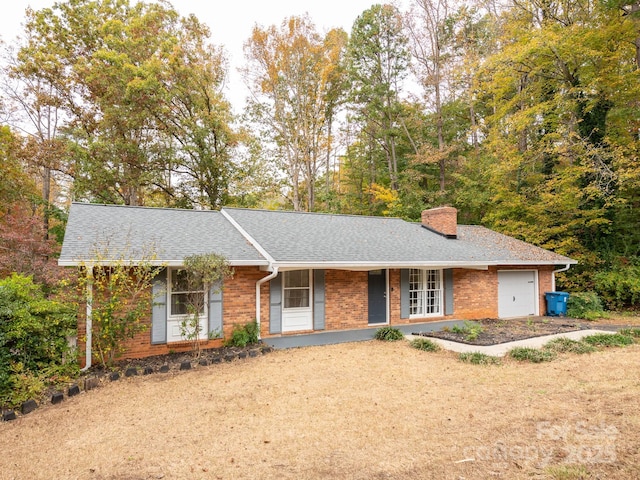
(517, 293)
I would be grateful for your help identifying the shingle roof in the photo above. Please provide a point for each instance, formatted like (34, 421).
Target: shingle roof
(131, 233)
(288, 239)
(506, 249)
(297, 239)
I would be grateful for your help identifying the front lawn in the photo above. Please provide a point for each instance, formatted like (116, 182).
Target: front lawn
(359, 411)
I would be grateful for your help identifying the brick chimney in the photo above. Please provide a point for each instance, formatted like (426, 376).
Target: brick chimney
(442, 220)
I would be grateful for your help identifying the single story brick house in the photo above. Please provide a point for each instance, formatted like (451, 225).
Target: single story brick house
(309, 272)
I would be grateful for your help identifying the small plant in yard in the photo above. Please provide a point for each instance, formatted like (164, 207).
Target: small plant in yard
(567, 472)
(608, 340)
(478, 358)
(458, 329)
(566, 345)
(533, 355)
(425, 345)
(243, 335)
(631, 332)
(470, 330)
(388, 334)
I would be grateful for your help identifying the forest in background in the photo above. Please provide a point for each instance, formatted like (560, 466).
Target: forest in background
(522, 114)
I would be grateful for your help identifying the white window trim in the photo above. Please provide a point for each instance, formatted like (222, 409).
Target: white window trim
(204, 319)
(440, 291)
(310, 288)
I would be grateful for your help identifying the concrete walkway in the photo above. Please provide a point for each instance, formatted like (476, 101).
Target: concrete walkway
(358, 335)
(501, 349)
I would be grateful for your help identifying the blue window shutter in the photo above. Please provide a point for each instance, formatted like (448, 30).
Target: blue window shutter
(215, 310)
(275, 304)
(448, 291)
(404, 293)
(159, 309)
(318, 300)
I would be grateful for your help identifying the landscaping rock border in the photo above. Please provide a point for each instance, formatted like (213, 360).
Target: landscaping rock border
(164, 364)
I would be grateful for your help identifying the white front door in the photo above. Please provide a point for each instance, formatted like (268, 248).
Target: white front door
(297, 311)
(517, 293)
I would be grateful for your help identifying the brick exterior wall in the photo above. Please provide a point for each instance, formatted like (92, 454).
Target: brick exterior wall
(346, 300)
(346, 304)
(239, 306)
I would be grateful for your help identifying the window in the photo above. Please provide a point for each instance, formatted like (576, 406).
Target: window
(183, 295)
(425, 293)
(297, 289)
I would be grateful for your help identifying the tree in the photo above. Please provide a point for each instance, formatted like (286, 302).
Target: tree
(33, 110)
(25, 246)
(295, 82)
(202, 273)
(140, 87)
(559, 92)
(429, 27)
(15, 183)
(378, 61)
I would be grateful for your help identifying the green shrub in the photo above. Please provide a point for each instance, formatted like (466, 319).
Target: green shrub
(608, 340)
(33, 339)
(620, 286)
(566, 345)
(533, 355)
(585, 305)
(25, 386)
(470, 330)
(425, 344)
(388, 334)
(243, 335)
(478, 358)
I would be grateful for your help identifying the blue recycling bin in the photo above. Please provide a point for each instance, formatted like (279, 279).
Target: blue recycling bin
(556, 303)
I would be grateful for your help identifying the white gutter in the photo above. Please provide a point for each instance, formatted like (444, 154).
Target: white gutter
(271, 261)
(158, 263)
(365, 266)
(553, 276)
(89, 320)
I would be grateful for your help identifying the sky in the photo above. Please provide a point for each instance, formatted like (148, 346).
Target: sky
(230, 21)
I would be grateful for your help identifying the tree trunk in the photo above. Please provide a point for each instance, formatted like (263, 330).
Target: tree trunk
(440, 128)
(46, 196)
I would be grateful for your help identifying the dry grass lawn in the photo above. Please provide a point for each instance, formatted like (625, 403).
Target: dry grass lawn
(368, 410)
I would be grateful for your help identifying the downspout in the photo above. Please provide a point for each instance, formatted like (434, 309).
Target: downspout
(263, 252)
(553, 276)
(272, 275)
(89, 320)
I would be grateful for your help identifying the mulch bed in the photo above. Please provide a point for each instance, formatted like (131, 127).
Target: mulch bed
(495, 331)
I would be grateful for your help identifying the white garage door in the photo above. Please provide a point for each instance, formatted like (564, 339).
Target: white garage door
(517, 293)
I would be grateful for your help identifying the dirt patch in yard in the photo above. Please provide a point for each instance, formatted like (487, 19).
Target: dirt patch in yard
(367, 410)
(493, 331)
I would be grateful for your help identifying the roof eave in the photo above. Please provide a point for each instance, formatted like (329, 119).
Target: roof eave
(157, 263)
(368, 265)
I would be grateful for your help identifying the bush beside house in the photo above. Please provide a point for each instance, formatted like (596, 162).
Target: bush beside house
(34, 347)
